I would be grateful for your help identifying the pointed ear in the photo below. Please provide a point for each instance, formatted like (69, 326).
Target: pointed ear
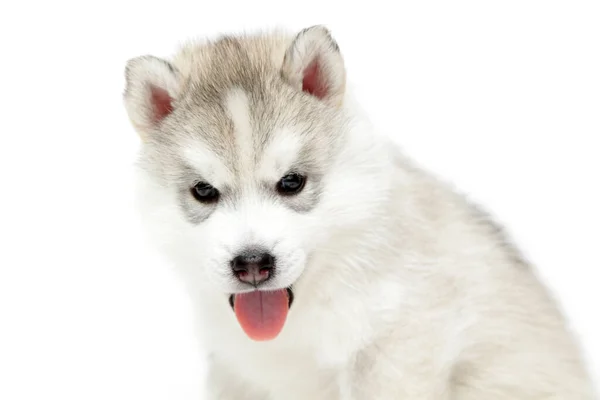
(152, 85)
(313, 63)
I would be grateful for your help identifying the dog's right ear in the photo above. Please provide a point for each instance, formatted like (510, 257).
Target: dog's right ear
(152, 85)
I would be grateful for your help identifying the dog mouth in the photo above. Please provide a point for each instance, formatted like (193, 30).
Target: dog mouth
(262, 313)
(289, 291)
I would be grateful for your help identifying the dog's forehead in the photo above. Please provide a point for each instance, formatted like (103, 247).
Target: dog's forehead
(236, 107)
(243, 134)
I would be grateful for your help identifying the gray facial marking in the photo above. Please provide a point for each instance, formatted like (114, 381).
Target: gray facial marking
(194, 213)
(307, 199)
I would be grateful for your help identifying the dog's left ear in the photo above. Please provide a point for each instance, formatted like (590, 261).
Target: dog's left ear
(152, 86)
(313, 63)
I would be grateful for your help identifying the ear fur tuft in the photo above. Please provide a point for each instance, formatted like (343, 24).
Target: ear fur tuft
(152, 86)
(313, 63)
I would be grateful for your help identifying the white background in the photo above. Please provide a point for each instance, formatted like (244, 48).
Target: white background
(502, 98)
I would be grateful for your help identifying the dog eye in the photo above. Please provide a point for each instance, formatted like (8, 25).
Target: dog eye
(291, 184)
(205, 193)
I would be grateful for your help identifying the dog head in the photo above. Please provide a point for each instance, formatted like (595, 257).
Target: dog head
(250, 163)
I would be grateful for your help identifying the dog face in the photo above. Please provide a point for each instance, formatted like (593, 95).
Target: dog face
(240, 155)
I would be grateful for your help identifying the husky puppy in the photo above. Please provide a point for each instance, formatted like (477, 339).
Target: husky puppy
(322, 262)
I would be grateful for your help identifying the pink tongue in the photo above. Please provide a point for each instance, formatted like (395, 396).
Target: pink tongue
(261, 314)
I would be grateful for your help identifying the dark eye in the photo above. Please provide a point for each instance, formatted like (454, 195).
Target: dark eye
(291, 184)
(205, 193)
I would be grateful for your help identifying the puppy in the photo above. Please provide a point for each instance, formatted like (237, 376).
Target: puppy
(322, 262)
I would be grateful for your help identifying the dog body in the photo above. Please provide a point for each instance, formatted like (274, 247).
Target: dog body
(254, 150)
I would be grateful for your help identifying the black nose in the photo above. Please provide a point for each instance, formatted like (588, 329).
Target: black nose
(253, 267)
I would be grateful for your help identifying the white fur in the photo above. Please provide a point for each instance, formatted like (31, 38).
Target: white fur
(282, 151)
(206, 164)
(408, 293)
(236, 103)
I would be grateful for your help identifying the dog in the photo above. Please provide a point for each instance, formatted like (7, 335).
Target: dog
(322, 262)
